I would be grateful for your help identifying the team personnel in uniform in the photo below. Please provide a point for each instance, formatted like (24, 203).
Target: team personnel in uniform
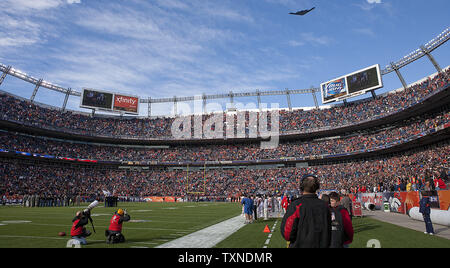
(248, 209)
(307, 222)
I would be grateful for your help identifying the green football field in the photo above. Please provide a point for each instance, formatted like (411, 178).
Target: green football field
(151, 224)
(154, 224)
(366, 230)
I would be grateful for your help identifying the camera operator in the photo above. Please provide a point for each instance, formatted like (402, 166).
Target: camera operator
(78, 231)
(114, 232)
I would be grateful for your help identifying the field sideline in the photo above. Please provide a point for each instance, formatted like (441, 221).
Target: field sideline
(154, 224)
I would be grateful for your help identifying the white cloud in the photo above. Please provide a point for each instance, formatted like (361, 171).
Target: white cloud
(368, 5)
(26, 21)
(174, 4)
(295, 43)
(365, 31)
(179, 48)
(313, 39)
(310, 38)
(289, 3)
(18, 32)
(16, 6)
(30, 6)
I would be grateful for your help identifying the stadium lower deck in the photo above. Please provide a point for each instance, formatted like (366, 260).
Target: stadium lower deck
(25, 177)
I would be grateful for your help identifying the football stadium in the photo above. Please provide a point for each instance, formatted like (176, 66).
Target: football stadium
(95, 167)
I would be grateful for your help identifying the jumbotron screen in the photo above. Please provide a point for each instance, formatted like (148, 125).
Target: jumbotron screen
(364, 80)
(352, 85)
(107, 101)
(95, 99)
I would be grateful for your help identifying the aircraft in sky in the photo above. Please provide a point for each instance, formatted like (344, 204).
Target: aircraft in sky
(302, 12)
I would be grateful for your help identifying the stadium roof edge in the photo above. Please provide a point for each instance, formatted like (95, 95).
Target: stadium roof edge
(429, 46)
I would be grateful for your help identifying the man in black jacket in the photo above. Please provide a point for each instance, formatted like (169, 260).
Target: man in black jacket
(307, 222)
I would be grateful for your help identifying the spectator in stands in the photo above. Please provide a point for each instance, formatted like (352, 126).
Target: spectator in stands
(38, 179)
(440, 184)
(408, 186)
(30, 114)
(444, 176)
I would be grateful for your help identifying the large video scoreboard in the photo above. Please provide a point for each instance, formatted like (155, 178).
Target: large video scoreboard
(110, 102)
(352, 85)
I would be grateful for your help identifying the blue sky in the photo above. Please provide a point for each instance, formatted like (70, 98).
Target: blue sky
(166, 48)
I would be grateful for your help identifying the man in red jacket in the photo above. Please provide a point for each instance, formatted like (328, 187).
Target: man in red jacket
(341, 223)
(114, 232)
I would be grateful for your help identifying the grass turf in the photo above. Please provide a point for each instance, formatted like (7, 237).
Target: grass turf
(159, 223)
(366, 229)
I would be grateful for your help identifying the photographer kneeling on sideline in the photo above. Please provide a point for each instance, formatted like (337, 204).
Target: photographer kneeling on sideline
(114, 232)
(78, 231)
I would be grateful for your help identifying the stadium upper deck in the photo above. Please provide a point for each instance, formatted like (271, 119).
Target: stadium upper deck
(23, 116)
(436, 124)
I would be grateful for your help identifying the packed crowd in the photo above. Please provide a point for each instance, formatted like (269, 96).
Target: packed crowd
(395, 134)
(18, 178)
(24, 112)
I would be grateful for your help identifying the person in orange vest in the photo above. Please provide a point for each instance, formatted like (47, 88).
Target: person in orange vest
(114, 232)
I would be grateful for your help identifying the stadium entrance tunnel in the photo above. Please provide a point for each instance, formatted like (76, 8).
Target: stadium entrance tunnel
(370, 206)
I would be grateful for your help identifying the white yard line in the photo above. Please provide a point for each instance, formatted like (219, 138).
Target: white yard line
(208, 237)
(270, 235)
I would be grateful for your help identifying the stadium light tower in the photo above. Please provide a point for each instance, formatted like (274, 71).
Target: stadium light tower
(66, 98)
(38, 84)
(258, 95)
(288, 97)
(149, 107)
(400, 76)
(313, 92)
(431, 58)
(175, 106)
(5, 72)
(204, 103)
(231, 99)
